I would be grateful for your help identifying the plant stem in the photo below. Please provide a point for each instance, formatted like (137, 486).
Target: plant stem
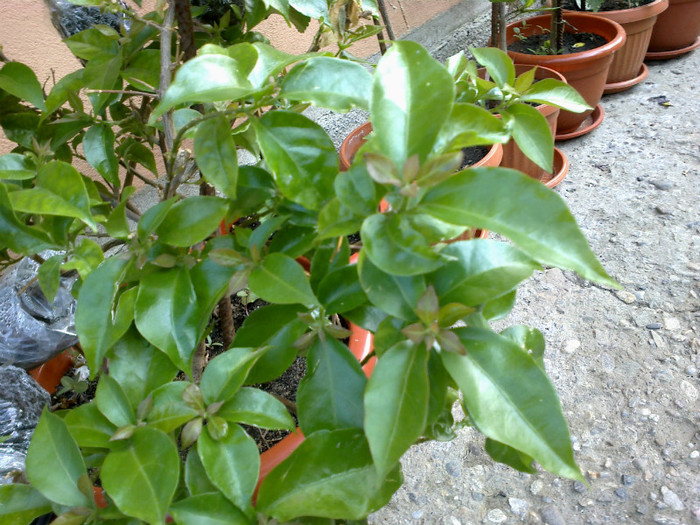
(165, 77)
(557, 28)
(385, 19)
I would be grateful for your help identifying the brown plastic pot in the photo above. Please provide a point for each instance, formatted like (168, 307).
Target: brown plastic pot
(627, 68)
(586, 71)
(50, 373)
(677, 30)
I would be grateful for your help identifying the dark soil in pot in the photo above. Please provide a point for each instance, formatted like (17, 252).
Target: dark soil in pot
(472, 155)
(573, 43)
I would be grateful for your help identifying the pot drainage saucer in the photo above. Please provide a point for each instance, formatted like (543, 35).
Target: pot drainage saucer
(591, 122)
(616, 87)
(673, 53)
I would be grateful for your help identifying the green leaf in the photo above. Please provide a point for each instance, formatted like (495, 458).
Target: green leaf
(14, 166)
(196, 478)
(470, 125)
(275, 327)
(497, 63)
(529, 340)
(207, 509)
(92, 42)
(280, 279)
(215, 153)
(142, 477)
(17, 236)
(480, 270)
(336, 220)
(510, 456)
(271, 61)
(133, 151)
(396, 246)
(60, 190)
(167, 314)
(300, 156)
(20, 504)
(412, 98)
(206, 78)
(154, 216)
(99, 151)
(531, 133)
(394, 294)
(534, 217)
(500, 307)
(169, 410)
(192, 220)
(555, 93)
(117, 224)
(232, 464)
(143, 70)
(89, 427)
(356, 190)
(340, 291)
(226, 373)
(312, 8)
(396, 403)
(102, 72)
(65, 89)
(49, 275)
(54, 463)
(96, 318)
(510, 399)
(329, 475)
(251, 406)
(113, 403)
(19, 80)
(329, 82)
(330, 394)
(138, 367)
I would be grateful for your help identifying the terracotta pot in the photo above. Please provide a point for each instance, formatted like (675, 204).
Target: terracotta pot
(586, 71)
(627, 68)
(677, 30)
(50, 373)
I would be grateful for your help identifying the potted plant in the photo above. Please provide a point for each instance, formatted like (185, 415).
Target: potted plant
(585, 70)
(163, 436)
(638, 19)
(677, 30)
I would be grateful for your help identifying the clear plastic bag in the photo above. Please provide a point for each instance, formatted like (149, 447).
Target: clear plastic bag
(21, 403)
(32, 331)
(70, 19)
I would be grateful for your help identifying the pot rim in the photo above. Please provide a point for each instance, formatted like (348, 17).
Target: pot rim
(632, 14)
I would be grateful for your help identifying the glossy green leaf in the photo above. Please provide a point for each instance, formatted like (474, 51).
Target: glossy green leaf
(555, 93)
(271, 61)
(311, 8)
(14, 166)
(154, 216)
(113, 403)
(534, 217)
(396, 246)
(336, 220)
(169, 410)
(54, 463)
(330, 395)
(19, 237)
(49, 275)
(329, 82)
(89, 427)
(480, 270)
(65, 89)
(196, 478)
(329, 475)
(19, 80)
(142, 477)
(192, 220)
(525, 80)
(531, 133)
(226, 373)
(20, 504)
(356, 190)
(143, 70)
(135, 152)
(92, 42)
(340, 291)
(280, 279)
(500, 307)
(206, 78)
(96, 318)
(470, 125)
(497, 63)
(394, 294)
(98, 144)
(138, 367)
(396, 403)
(251, 406)
(412, 98)
(232, 464)
(216, 156)
(275, 327)
(207, 509)
(529, 340)
(300, 156)
(117, 224)
(167, 314)
(102, 72)
(510, 456)
(510, 399)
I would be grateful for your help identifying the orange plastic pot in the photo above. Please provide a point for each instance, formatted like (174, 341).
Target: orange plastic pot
(627, 68)
(586, 71)
(50, 373)
(677, 30)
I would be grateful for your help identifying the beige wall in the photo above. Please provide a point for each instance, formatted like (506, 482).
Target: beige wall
(27, 35)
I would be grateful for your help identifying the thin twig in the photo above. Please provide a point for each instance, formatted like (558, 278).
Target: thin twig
(122, 92)
(166, 75)
(385, 19)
